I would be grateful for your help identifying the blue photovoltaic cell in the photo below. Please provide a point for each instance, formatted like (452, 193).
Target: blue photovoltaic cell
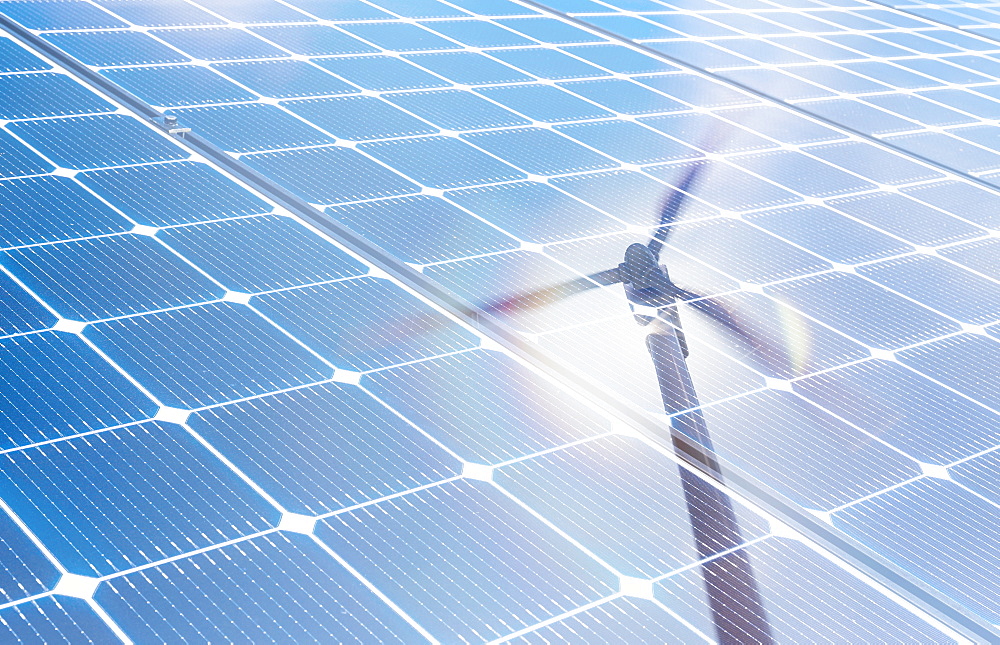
(548, 63)
(890, 321)
(251, 127)
(807, 599)
(939, 532)
(358, 117)
(493, 7)
(108, 277)
(633, 28)
(837, 79)
(891, 75)
(477, 33)
(381, 73)
(297, 589)
(629, 142)
(24, 571)
(919, 109)
(445, 398)
(45, 15)
(42, 381)
(419, 8)
(84, 142)
(802, 451)
(906, 218)
(982, 256)
(763, 51)
(19, 311)
(940, 285)
(709, 57)
(980, 475)
(877, 164)
(53, 619)
(904, 409)
(802, 174)
(620, 499)
(979, 106)
(781, 125)
(330, 175)
(399, 36)
(943, 71)
(442, 162)
(313, 40)
(693, 25)
(172, 193)
(455, 109)
(624, 619)
(620, 59)
(422, 229)
(324, 448)
(544, 102)
(261, 253)
(964, 362)
(948, 150)
(540, 151)
(110, 48)
(251, 11)
(138, 494)
(176, 85)
(364, 323)
(16, 159)
(207, 354)
(777, 84)
(218, 43)
(14, 58)
(829, 234)
(961, 199)
(534, 212)
(284, 78)
(703, 131)
(861, 117)
(624, 96)
(468, 68)
(465, 561)
(49, 208)
(340, 10)
(548, 30)
(24, 96)
(160, 13)
(728, 187)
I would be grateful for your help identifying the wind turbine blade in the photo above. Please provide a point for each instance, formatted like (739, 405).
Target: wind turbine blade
(545, 296)
(673, 206)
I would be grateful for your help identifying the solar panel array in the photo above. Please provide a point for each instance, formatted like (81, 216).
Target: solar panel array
(243, 376)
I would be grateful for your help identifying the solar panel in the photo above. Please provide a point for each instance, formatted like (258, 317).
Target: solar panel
(255, 420)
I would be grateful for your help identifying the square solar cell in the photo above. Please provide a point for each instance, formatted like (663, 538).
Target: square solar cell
(284, 78)
(20, 312)
(76, 279)
(307, 592)
(172, 193)
(548, 63)
(832, 462)
(544, 102)
(892, 75)
(837, 79)
(52, 619)
(980, 475)
(49, 208)
(140, 494)
(964, 362)
(948, 150)
(624, 96)
(381, 73)
(41, 378)
(550, 30)
(321, 449)
(960, 40)
(456, 109)
(860, 116)
(635, 618)
(43, 15)
(408, 547)
(762, 51)
(916, 42)
(539, 151)
(422, 229)
(693, 25)
(707, 132)
(364, 323)
(699, 54)
(981, 64)
(341, 10)
(620, 59)
(982, 256)
(749, 24)
(987, 136)
(478, 33)
(940, 285)
(576, 6)
(727, 187)
(967, 101)
(251, 127)
(110, 48)
(873, 162)
(944, 71)
(16, 159)
(696, 90)
(25, 96)
(468, 68)
(876, 317)
(313, 40)
(829, 234)
(629, 142)
(633, 27)
(94, 141)
(906, 218)
(965, 200)
(358, 118)
(399, 36)
(493, 7)
(872, 47)
(419, 8)
(219, 43)
(160, 13)
(208, 354)
(598, 501)
(534, 212)
(776, 84)
(254, 11)
(802, 174)
(177, 85)
(25, 570)
(850, 19)
(261, 253)
(919, 109)
(441, 162)
(782, 125)
(816, 48)
(903, 409)
(330, 175)
(14, 58)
